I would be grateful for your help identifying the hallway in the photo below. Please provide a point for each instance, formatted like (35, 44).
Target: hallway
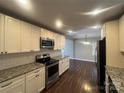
(80, 78)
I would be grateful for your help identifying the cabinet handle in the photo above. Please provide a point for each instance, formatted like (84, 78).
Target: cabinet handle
(37, 76)
(37, 71)
(6, 85)
(1, 52)
(5, 52)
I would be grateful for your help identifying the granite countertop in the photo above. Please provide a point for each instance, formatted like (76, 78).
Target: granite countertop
(14, 72)
(60, 57)
(117, 77)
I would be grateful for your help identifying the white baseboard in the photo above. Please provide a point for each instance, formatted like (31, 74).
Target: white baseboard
(83, 59)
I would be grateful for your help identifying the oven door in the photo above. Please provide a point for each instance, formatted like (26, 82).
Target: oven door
(52, 73)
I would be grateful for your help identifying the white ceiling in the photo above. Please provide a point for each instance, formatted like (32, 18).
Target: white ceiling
(45, 12)
(91, 33)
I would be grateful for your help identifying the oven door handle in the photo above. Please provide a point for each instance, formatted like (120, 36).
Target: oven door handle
(52, 64)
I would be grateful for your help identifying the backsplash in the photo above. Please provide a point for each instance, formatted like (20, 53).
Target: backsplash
(13, 60)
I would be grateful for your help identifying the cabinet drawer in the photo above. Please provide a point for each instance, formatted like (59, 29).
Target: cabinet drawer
(9, 82)
(36, 71)
(16, 85)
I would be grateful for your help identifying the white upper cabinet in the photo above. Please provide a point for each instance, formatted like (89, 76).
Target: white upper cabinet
(12, 35)
(43, 34)
(62, 42)
(1, 33)
(35, 43)
(56, 41)
(30, 37)
(121, 33)
(26, 37)
(18, 36)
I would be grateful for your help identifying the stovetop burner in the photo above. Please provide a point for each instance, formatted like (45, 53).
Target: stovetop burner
(47, 60)
(51, 61)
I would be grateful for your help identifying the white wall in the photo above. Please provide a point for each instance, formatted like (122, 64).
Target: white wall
(85, 52)
(68, 50)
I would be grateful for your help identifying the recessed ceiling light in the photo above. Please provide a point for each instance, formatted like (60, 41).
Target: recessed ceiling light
(58, 23)
(96, 27)
(70, 31)
(24, 2)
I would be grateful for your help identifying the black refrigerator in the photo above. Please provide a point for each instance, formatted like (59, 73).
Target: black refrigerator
(101, 63)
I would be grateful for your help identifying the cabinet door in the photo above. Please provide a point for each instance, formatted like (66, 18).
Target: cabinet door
(51, 35)
(56, 42)
(60, 67)
(35, 38)
(25, 37)
(17, 86)
(31, 83)
(42, 33)
(41, 79)
(1, 33)
(62, 42)
(12, 35)
(64, 65)
(67, 65)
(59, 42)
(121, 33)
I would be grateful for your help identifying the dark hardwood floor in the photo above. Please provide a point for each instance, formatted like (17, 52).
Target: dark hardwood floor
(80, 78)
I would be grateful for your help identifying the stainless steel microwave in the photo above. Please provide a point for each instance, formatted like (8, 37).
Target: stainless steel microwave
(46, 43)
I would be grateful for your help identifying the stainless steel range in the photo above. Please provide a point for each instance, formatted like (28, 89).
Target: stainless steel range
(52, 68)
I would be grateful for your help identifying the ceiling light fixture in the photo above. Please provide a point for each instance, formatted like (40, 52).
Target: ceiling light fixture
(70, 31)
(86, 41)
(98, 11)
(24, 2)
(58, 23)
(95, 12)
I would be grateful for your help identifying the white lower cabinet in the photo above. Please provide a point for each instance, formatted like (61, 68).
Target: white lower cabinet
(35, 81)
(63, 65)
(60, 67)
(16, 85)
(41, 80)
(32, 82)
(1, 34)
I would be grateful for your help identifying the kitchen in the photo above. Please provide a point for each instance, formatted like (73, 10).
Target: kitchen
(36, 58)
